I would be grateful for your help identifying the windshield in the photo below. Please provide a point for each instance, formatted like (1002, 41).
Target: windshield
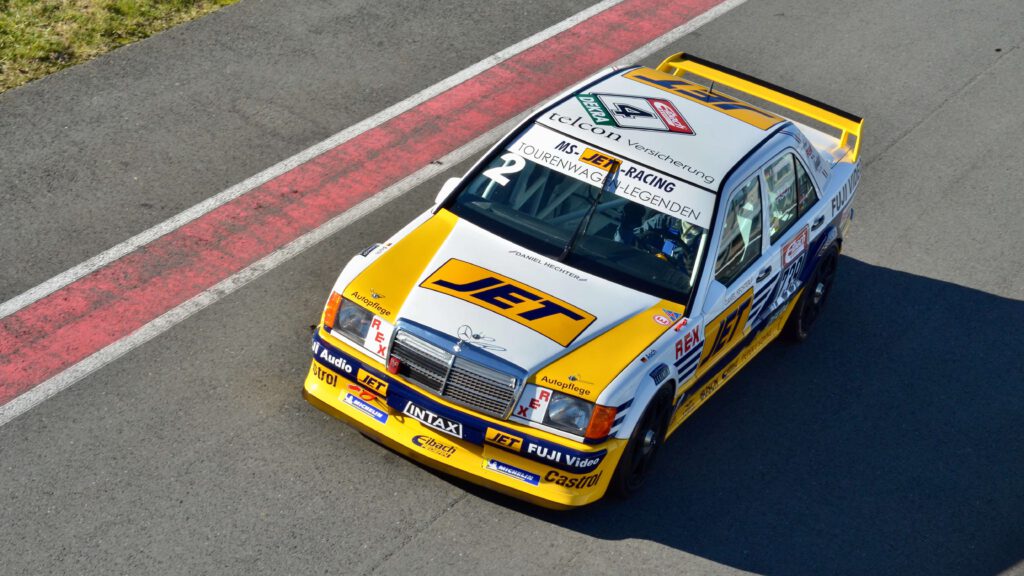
(545, 193)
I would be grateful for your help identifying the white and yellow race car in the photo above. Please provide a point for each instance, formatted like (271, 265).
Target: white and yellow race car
(593, 279)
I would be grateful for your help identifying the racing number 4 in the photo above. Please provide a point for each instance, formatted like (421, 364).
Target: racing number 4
(627, 111)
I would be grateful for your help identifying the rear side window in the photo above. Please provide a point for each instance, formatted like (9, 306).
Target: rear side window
(790, 194)
(804, 189)
(741, 233)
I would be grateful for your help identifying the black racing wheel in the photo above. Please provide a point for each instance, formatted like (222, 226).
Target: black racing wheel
(813, 299)
(643, 447)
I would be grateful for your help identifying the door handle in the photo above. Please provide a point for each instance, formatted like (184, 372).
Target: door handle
(764, 273)
(818, 222)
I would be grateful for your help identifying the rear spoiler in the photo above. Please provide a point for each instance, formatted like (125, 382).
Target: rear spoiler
(848, 124)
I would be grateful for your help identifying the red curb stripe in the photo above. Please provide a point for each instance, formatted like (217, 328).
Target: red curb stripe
(52, 334)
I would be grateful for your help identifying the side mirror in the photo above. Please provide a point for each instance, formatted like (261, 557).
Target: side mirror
(716, 291)
(446, 189)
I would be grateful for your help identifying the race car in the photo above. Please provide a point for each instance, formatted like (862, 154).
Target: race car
(592, 280)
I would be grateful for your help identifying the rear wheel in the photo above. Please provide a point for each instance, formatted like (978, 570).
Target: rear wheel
(638, 459)
(813, 299)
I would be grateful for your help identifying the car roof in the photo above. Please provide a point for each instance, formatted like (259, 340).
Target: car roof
(666, 122)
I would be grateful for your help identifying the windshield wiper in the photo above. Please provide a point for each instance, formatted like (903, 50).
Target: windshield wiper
(610, 184)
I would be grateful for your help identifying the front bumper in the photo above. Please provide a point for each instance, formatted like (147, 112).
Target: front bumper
(342, 383)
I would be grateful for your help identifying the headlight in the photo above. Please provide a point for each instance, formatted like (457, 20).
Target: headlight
(568, 413)
(353, 321)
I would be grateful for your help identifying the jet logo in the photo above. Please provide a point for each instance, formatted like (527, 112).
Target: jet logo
(540, 312)
(504, 439)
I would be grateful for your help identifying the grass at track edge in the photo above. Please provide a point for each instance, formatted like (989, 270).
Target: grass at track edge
(40, 37)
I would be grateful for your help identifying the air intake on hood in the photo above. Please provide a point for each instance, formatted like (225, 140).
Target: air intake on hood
(459, 380)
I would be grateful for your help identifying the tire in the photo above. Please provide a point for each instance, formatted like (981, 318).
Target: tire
(642, 450)
(813, 298)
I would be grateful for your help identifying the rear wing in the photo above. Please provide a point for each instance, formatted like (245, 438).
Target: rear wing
(848, 124)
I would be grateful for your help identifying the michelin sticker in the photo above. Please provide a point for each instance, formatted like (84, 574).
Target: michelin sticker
(637, 183)
(510, 470)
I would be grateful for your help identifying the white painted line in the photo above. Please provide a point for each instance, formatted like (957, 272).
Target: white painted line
(168, 320)
(173, 223)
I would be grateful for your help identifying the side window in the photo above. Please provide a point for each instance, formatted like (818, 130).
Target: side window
(804, 189)
(741, 233)
(790, 193)
(780, 178)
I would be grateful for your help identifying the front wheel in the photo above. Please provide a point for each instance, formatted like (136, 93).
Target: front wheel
(813, 299)
(638, 458)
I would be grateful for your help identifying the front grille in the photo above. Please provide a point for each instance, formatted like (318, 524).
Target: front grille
(466, 382)
(422, 362)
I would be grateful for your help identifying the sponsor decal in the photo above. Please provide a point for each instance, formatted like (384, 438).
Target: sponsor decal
(551, 265)
(370, 302)
(664, 321)
(325, 376)
(688, 342)
(434, 446)
(636, 183)
(599, 160)
(673, 316)
(555, 456)
(728, 324)
(649, 177)
(595, 109)
(364, 394)
(378, 336)
(648, 355)
(743, 287)
(510, 470)
(372, 382)
(533, 403)
(840, 200)
(634, 112)
(549, 316)
(435, 421)
(693, 207)
(570, 387)
(667, 158)
(705, 97)
(559, 479)
(579, 122)
(794, 248)
(366, 408)
(469, 336)
(504, 439)
(327, 356)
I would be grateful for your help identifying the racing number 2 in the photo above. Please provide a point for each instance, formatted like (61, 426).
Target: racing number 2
(513, 163)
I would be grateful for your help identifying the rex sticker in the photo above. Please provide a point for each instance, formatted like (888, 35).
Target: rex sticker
(540, 312)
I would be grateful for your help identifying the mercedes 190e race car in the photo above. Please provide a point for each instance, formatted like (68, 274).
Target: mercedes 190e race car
(592, 280)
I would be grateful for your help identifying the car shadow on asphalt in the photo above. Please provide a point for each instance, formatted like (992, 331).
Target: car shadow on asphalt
(891, 442)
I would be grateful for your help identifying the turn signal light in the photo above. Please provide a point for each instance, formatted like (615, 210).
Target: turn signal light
(331, 310)
(601, 420)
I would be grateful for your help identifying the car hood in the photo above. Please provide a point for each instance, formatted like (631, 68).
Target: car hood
(452, 276)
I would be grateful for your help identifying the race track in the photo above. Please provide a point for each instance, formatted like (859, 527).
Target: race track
(889, 443)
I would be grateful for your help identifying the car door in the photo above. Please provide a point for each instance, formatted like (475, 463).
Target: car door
(738, 273)
(790, 199)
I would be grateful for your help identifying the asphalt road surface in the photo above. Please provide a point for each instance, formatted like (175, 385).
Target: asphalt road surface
(891, 442)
